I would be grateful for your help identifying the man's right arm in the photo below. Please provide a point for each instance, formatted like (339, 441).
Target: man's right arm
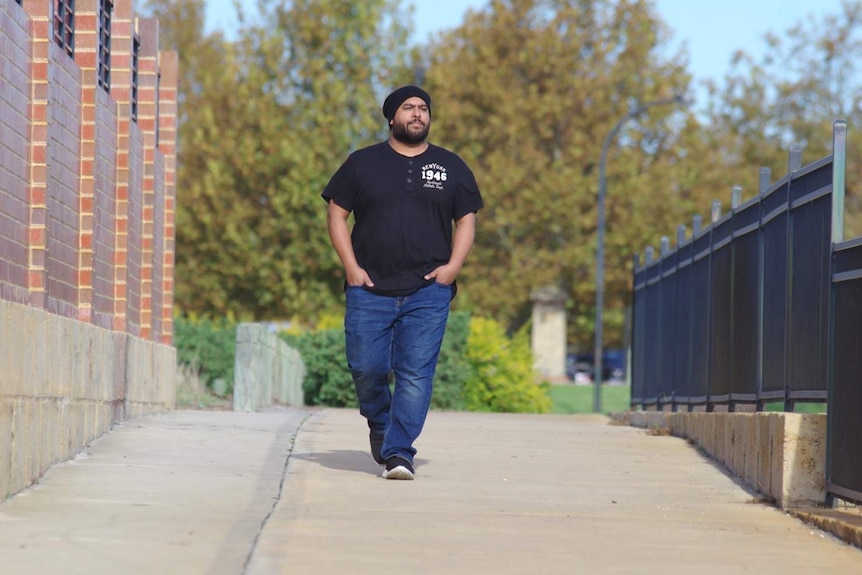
(339, 235)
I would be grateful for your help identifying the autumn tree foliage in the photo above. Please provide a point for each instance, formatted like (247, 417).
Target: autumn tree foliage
(526, 91)
(268, 118)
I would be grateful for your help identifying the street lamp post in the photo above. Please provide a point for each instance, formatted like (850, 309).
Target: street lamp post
(600, 242)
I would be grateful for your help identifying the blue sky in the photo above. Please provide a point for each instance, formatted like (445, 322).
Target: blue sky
(712, 30)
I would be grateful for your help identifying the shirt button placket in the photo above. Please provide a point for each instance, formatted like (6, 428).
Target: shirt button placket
(409, 186)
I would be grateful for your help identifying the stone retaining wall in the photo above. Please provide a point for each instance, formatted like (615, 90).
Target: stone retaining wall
(266, 370)
(781, 456)
(64, 383)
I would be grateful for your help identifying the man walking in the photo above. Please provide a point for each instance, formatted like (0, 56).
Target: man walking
(400, 264)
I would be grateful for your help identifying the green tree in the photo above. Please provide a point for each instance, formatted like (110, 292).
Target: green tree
(526, 91)
(807, 79)
(265, 125)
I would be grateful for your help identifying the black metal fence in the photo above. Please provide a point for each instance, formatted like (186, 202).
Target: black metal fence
(844, 457)
(762, 305)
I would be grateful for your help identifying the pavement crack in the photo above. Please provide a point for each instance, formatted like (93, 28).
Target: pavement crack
(277, 497)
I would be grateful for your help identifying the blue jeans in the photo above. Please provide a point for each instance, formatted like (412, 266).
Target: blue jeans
(402, 335)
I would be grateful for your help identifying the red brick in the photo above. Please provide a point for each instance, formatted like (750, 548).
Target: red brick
(38, 154)
(36, 280)
(88, 132)
(86, 22)
(36, 196)
(36, 237)
(39, 71)
(88, 96)
(41, 28)
(85, 277)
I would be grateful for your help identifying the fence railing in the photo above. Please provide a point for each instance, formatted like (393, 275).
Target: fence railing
(738, 312)
(762, 305)
(844, 450)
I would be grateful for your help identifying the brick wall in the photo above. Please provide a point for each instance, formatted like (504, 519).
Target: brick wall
(86, 232)
(14, 153)
(86, 192)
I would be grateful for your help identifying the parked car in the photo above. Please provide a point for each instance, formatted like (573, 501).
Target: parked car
(580, 366)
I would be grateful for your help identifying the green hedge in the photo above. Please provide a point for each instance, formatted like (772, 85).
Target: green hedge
(327, 379)
(207, 347)
(479, 369)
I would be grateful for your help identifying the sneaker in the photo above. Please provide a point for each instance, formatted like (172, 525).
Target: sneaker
(376, 445)
(398, 468)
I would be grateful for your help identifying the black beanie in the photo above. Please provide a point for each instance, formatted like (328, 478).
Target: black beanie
(396, 98)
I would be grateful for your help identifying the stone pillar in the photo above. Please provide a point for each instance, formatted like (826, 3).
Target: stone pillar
(549, 332)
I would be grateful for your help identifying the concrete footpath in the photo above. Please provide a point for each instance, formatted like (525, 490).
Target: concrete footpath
(296, 491)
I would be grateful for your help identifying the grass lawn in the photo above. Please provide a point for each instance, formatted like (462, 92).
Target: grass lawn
(800, 407)
(579, 398)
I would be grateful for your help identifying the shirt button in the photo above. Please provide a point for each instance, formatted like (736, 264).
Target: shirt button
(409, 171)
(409, 181)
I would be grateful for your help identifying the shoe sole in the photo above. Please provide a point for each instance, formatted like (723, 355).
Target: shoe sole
(399, 472)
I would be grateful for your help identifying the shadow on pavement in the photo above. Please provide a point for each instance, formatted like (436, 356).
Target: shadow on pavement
(348, 460)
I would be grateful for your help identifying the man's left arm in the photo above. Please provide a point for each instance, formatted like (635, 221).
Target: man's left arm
(462, 241)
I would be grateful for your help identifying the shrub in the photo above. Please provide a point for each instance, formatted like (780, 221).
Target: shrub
(502, 377)
(207, 348)
(480, 368)
(453, 369)
(327, 379)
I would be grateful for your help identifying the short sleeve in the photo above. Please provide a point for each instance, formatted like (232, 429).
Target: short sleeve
(468, 198)
(342, 187)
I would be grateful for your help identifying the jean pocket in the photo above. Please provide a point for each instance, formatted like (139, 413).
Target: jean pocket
(452, 287)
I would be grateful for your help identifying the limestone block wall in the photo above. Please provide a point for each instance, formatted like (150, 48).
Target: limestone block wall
(779, 455)
(266, 370)
(88, 112)
(66, 382)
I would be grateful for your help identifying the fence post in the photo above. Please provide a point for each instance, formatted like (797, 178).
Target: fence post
(662, 320)
(633, 328)
(794, 163)
(765, 180)
(735, 197)
(839, 159)
(795, 160)
(839, 164)
(696, 225)
(764, 184)
(715, 215)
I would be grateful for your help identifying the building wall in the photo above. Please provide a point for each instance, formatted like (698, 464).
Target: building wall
(86, 233)
(14, 153)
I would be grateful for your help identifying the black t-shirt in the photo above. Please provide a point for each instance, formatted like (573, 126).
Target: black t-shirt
(403, 210)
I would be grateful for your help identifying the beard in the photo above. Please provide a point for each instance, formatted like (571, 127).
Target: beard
(403, 134)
